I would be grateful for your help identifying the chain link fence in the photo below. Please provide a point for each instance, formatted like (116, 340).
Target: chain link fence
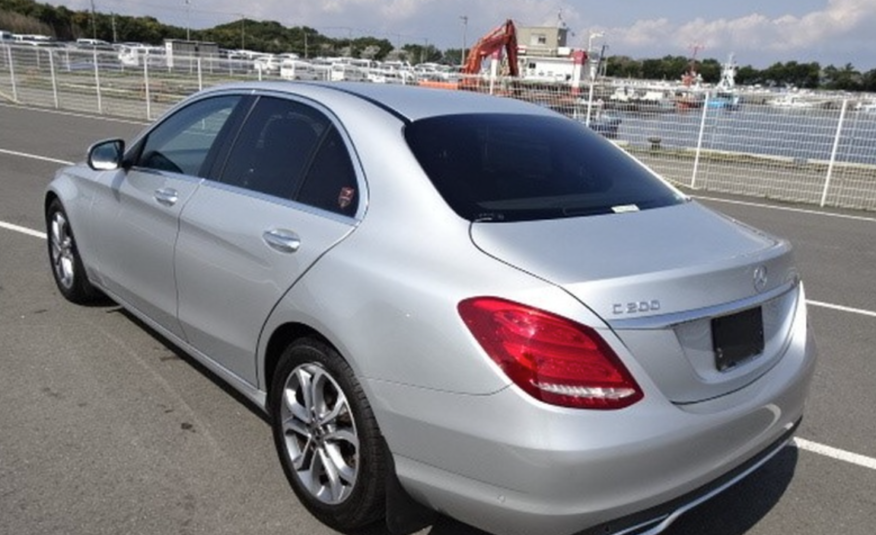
(807, 148)
(821, 153)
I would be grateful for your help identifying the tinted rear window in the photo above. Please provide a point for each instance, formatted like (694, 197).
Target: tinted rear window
(500, 167)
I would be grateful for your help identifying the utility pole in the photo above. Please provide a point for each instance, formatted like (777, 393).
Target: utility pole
(464, 20)
(593, 73)
(188, 21)
(93, 22)
(593, 35)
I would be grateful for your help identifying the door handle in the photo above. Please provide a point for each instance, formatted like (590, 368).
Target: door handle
(166, 196)
(284, 241)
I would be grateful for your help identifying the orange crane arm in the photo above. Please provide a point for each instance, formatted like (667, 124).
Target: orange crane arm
(505, 36)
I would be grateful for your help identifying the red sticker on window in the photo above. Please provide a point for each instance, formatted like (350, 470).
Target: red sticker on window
(345, 198)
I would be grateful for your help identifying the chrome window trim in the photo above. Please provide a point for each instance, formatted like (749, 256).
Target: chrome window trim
(301, 207)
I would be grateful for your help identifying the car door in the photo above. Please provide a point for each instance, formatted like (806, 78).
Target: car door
(288, 192)
(140, 208)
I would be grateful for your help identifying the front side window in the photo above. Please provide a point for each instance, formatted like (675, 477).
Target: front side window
(503, 167)
(181, 143)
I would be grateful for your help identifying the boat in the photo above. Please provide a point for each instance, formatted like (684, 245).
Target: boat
(689, 99)
(606, 125)
(724, 100)
(725, 96)
(655, 101)
(648, 100)
(792, 101)
(623, 98)
(866, 107)
(600, 121)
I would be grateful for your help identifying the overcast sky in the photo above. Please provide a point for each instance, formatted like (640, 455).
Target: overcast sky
(759, 32)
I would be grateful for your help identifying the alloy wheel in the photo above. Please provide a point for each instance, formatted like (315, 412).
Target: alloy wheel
(320, 433)
(61, 243)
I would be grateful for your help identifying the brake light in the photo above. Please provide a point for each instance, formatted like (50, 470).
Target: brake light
(552, 358)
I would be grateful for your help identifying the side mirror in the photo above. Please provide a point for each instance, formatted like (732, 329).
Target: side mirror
(106, 155)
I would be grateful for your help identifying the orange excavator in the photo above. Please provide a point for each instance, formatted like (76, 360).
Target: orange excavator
(505, 36)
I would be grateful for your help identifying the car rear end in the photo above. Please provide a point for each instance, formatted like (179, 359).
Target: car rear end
(515, 465)
(673, 405)
(676, 361)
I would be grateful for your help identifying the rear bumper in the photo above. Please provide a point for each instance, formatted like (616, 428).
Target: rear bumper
(510, 465)
(649, 521)
(656, 519)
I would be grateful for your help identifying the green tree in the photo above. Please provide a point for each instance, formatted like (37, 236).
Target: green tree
(775, 75)
(453, 56)
(846, 78)
(652, 69)
(18, 23)
(383, 46)
(748, 75)
(673, 67)
(868, 81)
(623, 67)
(422, 53)
(710, 70)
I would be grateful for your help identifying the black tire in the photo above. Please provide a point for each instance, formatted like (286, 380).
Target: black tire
(335, 436)
(67, 268)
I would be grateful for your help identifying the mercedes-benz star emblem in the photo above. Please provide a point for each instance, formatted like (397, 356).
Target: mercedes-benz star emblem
(760, 278)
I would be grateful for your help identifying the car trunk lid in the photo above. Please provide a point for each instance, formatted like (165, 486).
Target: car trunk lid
(659, 278)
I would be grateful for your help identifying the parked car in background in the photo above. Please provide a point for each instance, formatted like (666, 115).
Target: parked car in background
(93, 44)
(267, 64)
(447, 301)
(296, 69)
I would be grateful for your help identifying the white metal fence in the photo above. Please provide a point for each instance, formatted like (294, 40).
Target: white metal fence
(817, 151)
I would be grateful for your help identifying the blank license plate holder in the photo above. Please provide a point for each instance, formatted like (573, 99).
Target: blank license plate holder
(737, 337)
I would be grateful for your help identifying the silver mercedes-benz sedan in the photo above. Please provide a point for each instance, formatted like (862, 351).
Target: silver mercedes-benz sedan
(447, 303)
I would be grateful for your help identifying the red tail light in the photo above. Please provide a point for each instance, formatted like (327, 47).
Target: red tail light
(552, 358)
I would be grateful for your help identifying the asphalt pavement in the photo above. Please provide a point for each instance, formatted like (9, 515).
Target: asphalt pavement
(107, 428)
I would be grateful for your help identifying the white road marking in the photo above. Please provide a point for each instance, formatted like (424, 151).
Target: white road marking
(75, 114)
(787, 209)
(835, 453)
(35, 157)
(23, 230)
(850, 310)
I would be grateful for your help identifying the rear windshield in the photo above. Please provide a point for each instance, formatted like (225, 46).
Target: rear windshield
(501, 167)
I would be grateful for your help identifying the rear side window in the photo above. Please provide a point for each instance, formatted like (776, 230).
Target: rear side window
(500, 167)
(274, 147)
(331, 182)
(290, 150)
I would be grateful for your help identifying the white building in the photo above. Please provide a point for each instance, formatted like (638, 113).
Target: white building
(544, 56)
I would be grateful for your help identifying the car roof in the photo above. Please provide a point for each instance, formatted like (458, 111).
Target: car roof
(410, 102)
